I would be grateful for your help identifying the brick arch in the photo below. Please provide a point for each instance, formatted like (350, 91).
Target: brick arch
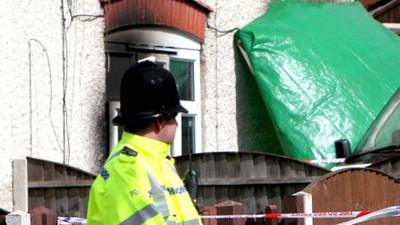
(188, 16)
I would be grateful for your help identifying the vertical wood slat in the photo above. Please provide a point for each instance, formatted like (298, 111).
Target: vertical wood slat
(35, 172)
(83, 198)
(274, 195)
(241, 166)
(396, 192)
(353, 190)
(247, 199)
(222, 171)
(299, 169)
(260, 167)
(273, 168)
(60, 173)
(246, 166)
(232, 164)
(73, 201)
(49, 172)
(234, 193)
(375, 184)
(36, 198)
(359, 195)
(208, 167)
(386, 198)
(221, 194)
(50, 198)
(62, 201)
(65, 200)
(261, 199)
(286, 169)
(207, 196)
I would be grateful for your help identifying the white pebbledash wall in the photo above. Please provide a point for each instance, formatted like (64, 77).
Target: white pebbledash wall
(52, 84)
(226, 124)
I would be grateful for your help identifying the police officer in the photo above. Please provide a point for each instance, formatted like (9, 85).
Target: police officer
(138, 183)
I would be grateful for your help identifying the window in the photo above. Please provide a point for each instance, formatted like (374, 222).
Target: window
(182, 60)
(117, 64)
(188, 132)
(183, 73)
(385, 130)
(185, 66)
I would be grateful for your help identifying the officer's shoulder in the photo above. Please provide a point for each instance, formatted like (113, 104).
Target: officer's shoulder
(128, 151)
(127, 155)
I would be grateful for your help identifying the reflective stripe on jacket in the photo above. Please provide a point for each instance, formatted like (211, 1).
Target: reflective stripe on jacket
(139, 185)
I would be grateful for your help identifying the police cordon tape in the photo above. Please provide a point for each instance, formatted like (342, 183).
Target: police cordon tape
(67, 220)
(360, 216)
(320, 215)
(382, 213)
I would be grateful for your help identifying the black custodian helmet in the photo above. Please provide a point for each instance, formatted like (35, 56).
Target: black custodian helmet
(147, 91)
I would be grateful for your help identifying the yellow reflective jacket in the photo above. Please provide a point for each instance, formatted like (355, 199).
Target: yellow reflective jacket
(139, 185)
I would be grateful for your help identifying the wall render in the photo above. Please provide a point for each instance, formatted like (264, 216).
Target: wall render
(52, 84)
(227, 84)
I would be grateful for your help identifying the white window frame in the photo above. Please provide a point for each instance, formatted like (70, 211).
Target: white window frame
(176, 46)
(113, 108)
(194, 107)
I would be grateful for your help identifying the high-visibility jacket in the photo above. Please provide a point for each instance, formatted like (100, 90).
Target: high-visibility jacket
(139, 185)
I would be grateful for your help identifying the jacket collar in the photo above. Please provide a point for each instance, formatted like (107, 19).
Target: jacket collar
(146, 147)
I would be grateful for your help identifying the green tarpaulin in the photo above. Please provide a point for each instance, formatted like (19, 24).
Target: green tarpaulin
(325, 71)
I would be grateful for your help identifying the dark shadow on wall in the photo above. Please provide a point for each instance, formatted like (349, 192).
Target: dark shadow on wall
(254, 125)
(102, 126)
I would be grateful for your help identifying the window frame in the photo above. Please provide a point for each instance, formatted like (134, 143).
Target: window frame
(164, 45)
(194, 107)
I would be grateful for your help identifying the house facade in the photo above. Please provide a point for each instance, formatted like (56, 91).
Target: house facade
(61, 62)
